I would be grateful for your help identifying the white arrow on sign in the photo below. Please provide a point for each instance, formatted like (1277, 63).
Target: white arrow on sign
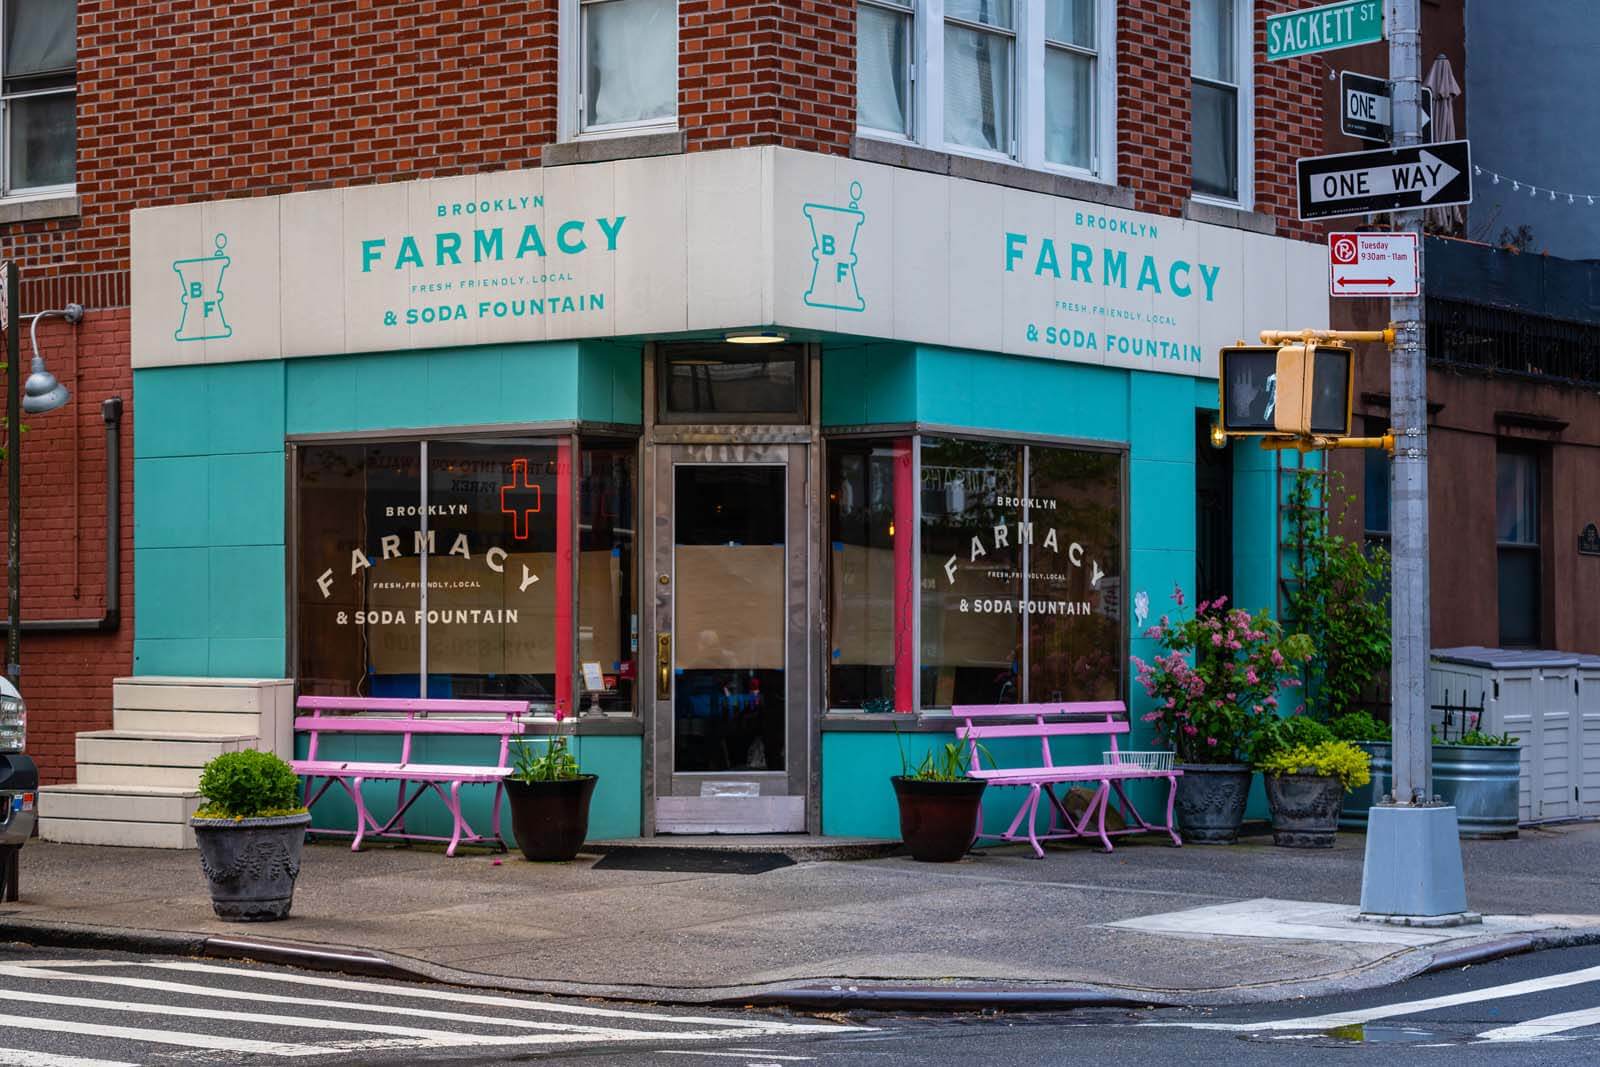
(1428, 175)
(1373, 107)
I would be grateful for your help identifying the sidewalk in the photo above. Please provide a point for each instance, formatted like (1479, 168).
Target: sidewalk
(1189, 921)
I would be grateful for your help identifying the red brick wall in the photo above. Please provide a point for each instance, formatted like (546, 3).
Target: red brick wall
(66, 678)
(1154, 151)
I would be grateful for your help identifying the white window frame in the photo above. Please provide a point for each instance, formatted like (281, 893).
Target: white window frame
(571, 96)
(913, 14)
(32, 192)
(1019, 96)
(1244, 17)
(927, 91)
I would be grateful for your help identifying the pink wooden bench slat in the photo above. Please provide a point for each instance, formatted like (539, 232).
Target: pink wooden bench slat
(502, 721)
(410, 704)
(1041, 780)
(346, 724)
(1013, 711)
(1044, 729)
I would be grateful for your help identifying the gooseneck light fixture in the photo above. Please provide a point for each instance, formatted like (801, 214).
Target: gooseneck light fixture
(42, 392)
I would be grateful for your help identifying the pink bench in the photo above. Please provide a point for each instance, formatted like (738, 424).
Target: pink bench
(1063, 720)
(354, 715)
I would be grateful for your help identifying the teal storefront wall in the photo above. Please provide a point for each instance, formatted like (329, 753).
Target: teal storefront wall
(210, 569)
(1152, 415)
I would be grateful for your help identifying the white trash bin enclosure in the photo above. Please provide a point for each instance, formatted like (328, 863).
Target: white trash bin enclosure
(1549, 701)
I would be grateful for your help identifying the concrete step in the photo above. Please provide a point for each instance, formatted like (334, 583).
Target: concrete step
(154, 749)
(152, 804)
(233, 724)
(114, 832)
(127, 774)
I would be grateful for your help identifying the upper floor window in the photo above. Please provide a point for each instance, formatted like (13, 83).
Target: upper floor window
(1010, 78)
(980, 46)
(629, 64)
(38, 94)
(1071, 78)
(1219, 95)
(886, 69)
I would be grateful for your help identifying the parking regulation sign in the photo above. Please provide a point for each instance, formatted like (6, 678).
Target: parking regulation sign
(1373, 264)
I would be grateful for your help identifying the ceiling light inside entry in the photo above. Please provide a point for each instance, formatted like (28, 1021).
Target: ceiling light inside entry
(755, 337)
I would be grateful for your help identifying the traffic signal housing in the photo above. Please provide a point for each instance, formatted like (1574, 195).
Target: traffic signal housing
(1300, 389)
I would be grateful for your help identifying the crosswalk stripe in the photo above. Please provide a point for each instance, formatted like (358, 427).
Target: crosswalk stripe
(1545, 1026)
(1410, 1007)
(357, 1026)
(164, 1037)
(18, 1057)
(736, 1027)
(34, 972)
(737, 1055)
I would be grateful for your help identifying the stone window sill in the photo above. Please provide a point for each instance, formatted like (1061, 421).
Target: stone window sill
(605, 149)
(39, 208)
(914, 157)
(1222, 215)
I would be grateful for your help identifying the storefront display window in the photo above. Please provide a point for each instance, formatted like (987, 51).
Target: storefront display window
(971, 573)
(863, 539)
(466, 577)
(608, 606)
(1021, 573)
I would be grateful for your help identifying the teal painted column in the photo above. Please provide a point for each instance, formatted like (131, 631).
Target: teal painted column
(1255, 525)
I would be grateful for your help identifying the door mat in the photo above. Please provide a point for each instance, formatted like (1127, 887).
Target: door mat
(692, 861)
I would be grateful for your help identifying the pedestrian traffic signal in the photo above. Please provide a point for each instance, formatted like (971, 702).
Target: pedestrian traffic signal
(1297, 390)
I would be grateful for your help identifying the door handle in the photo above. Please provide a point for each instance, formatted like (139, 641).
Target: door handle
(663, 666)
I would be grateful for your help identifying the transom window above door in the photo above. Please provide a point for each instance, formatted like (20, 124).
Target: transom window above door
(711, 383)
(1026, 80)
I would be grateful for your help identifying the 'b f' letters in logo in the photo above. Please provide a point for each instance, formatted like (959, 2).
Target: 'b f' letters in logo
(833, 254)
(202, 295)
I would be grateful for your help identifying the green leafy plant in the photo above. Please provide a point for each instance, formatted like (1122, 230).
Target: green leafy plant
(1218, 681)
(1340, 759)
(1359, 726)
(248, 785)
(1283, 735)
(1338, 596)
(1473, 738)
(944, 764)
(554, 764)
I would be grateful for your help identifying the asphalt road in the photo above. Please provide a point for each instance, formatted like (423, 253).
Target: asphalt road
(81, 1009)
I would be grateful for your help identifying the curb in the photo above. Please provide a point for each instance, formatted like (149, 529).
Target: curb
(817, 995)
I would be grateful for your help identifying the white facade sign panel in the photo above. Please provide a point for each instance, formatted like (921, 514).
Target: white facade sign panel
(706, 242)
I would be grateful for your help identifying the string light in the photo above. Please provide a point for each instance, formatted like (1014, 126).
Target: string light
(1533, 190)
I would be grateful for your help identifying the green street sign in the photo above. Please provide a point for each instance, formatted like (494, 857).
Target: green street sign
(1322, 29)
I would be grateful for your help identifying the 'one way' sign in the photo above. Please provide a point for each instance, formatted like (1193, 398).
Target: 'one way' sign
(1386, 179)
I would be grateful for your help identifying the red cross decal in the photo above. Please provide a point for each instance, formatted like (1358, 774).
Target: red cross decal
(530, 495)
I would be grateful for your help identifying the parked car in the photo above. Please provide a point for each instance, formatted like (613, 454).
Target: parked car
(19, 778)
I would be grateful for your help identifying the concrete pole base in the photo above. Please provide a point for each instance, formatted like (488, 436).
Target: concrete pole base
(1412, 875)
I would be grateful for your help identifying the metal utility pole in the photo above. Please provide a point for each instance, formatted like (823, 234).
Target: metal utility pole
(13, 476)
(1408, 412)
(1413, 867)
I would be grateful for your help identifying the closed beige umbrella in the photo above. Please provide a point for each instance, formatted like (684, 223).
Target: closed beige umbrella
(1441, 81)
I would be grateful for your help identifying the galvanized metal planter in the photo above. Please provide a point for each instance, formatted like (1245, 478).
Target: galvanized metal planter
(1353, 816)
(1305, 809)
(1482, 782)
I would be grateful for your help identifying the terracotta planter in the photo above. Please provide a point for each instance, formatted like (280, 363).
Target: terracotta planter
(251, 864)
(1305, 809)
(1211, 800)
(938, 820)
(550, 819)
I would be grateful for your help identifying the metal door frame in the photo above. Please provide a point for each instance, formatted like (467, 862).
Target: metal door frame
(798, 448)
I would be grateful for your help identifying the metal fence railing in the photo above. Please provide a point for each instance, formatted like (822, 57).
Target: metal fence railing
(1502, 341)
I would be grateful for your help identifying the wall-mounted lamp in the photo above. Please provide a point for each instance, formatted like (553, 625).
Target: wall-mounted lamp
(1219, 439)
(42, 392)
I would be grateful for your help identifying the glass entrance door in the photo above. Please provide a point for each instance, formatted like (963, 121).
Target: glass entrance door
(730, 623)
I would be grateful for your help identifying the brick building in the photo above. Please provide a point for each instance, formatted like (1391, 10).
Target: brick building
(704, 368)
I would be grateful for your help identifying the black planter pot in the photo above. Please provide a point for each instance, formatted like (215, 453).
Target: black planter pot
(1211, 800)
(251, 864)
(1305, 809)
(551, 819)
(938, 820)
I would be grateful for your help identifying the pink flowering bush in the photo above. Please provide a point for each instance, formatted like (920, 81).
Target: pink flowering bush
(1217, 682)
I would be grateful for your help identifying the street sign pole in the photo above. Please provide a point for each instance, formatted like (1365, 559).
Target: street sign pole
(1413, 858)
